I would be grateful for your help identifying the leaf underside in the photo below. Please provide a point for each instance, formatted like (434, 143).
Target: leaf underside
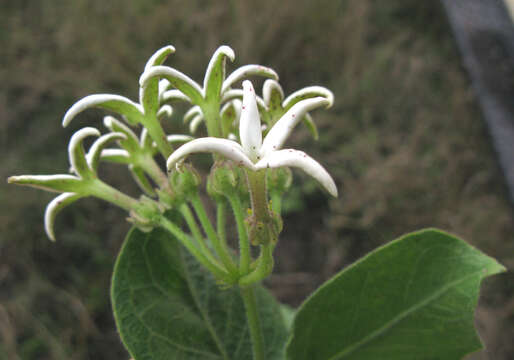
(413, 298)
(167, 307)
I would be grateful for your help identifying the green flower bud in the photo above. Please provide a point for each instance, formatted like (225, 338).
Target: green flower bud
(185, 182)
(279, 179)
(222, 180)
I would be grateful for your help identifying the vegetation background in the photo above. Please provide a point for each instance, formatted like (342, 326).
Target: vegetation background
(405, 142)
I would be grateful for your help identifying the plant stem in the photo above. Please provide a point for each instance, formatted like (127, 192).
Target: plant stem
(112, 195)
(158, 135)
(252, 316)
(195, 230)
(211, 234)
(264, 266)
(185, 240)
(244, 244)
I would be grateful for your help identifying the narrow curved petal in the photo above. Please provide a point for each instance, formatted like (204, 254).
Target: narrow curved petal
(311, 126)
(164, 112)
(55, 183)
(174, 94)
(160, 56)
(54, 207)
(149, 92)
(283, 127)
(245, 71)
(141, 180)
(298, 159)
(179, 80)
(179, 138)
(145, 140)
(95, 152)
(227, 148)
(192, 113)
(250, 123)
(131, 143)
(215, 74)
(272, 92)
(195, 123)
(230, 114)
(76, 154)
(132, 111)
(116, 156)
(308, 93)
(237, 94)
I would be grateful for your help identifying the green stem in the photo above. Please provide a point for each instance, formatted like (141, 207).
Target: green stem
(195, 230)
(264, 266)
(186, 240)
(221, 223)
(252, 316)
(112, 195)
(211, 234)
(212, 118)
(244, 244)
(148, 164)
(158, 135)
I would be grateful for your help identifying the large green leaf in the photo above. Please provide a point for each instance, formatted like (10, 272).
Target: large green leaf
(168, 308)
(413, 298)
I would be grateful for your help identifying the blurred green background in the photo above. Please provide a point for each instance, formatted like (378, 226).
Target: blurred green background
(405, 142)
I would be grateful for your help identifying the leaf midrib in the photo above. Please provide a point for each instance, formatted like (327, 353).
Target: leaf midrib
(340, 355)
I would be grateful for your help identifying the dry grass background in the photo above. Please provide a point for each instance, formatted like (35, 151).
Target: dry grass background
(404, 140)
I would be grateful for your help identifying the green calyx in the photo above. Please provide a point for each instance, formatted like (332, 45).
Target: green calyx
(184, 183)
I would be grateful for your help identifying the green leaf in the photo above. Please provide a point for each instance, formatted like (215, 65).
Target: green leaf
(413, 298)
(167, 307)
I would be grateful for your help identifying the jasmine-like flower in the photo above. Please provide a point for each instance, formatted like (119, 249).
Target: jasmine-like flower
(255, 153)
(216, 89)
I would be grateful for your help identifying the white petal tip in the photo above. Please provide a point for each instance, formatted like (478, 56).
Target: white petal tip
(227, 51)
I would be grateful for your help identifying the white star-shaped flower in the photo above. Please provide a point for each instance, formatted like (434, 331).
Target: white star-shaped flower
(255, 153)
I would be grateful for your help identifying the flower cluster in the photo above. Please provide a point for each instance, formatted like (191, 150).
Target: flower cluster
(250, 170)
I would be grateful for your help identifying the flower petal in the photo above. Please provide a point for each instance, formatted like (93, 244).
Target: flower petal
(164, 112)
(173, 94)
(131, 143)
(149, 92)
(95, 152)
(160, 56)
(272, 92)
(245, 71)
(311, 126)
(53, 208)
(179, 80)
(215, 74)
(197, 120)
(76, 154)
(192, 113)
(141, 180)
(283, 127)
(308, 93)
(237, 94)
(227, 148)
(130, 110)
(55, 183)
(115, 155)
(295, 158)
(250, 123)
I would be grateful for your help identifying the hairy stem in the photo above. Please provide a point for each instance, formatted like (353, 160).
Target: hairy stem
(252, 316)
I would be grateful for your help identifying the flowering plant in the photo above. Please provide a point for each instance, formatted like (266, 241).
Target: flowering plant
(180, 290)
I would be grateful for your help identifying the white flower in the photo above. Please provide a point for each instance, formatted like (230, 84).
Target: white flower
(255, 153)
